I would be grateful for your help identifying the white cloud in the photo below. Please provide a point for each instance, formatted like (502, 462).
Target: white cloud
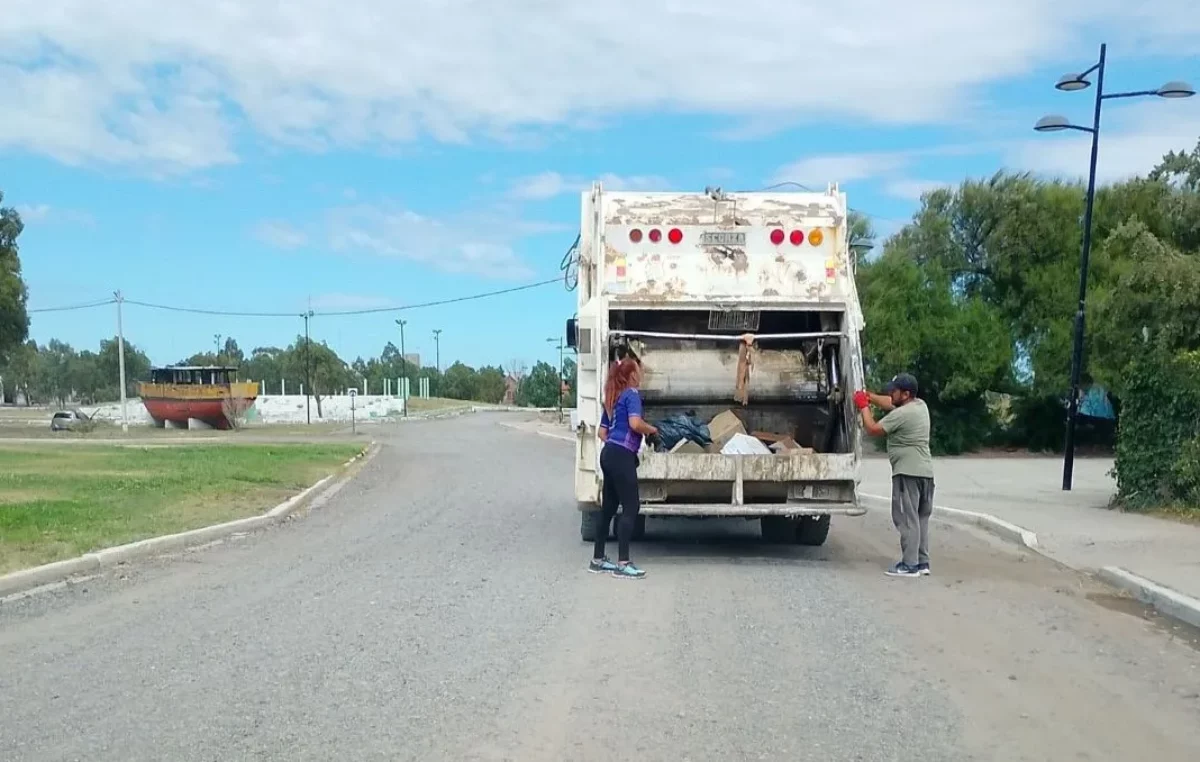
(280, 234)
(912, 190)
(541, 186)
(457, 244)
(36, 214)
(550, 184)
(33, 212)
(168, 85)
(817, 172)
(1133, 138)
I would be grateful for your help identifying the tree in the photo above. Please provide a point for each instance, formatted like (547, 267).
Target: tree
(571, 376)
(540, 388)
(1155, 307)
(14, 317)
(459, 382)
(326, 371)
(958, 346)
(489, 385)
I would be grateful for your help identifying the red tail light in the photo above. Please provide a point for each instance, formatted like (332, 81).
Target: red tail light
(675, 236)
(777, 236)
(635, 235)
(655, 235)
(797, 237)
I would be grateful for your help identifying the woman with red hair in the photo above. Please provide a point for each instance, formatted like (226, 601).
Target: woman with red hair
(621, 429)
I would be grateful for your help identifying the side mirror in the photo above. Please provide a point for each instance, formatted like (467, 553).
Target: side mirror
(573, 333)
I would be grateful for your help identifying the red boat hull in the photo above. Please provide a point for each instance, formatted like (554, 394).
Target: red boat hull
(211, 412)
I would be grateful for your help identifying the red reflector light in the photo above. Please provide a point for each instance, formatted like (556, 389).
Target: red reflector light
(635, 235)
(655, 235)
(777, 236)
(675, 236)
(797, 237)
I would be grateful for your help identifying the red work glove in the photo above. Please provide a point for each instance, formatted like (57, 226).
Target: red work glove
(862, 400)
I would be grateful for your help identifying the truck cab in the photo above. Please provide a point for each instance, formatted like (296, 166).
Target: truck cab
(743, 311)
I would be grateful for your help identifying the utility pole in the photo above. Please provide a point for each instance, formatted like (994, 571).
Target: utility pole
(562, 342)
(121, 361)
(437, 348)
(405, 393)
(307, 369)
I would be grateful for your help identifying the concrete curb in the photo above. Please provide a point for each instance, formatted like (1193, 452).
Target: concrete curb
(1166, 601)
(100, 560)
(985, 521)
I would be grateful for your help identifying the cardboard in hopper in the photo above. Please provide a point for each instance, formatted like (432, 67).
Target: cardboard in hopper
(724, 427)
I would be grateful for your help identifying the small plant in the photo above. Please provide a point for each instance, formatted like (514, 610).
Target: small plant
(234, 408)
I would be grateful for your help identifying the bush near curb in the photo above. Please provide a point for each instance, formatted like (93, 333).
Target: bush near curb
(1158, 442)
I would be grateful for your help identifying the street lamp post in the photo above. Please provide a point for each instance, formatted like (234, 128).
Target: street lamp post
(1055, 123)
(437, 349)
(404, 393)
(561, 374)
(307, 369)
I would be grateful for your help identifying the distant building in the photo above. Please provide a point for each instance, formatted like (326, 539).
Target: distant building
(510, 390)
(413, 359)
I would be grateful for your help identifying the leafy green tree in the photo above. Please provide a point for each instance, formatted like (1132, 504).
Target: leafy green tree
(957, 346)
(489, 385)
(540, 387)
(14, 319)
(459, 382)
(316, 361)
(571, 375)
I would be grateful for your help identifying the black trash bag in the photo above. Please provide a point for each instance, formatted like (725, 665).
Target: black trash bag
(675, 428)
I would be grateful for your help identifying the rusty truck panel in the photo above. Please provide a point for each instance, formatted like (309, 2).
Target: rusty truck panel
(680, 247)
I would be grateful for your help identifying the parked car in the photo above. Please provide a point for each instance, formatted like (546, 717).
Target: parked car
(68, 420)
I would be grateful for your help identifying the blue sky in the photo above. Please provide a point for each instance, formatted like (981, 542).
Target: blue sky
(231, 156)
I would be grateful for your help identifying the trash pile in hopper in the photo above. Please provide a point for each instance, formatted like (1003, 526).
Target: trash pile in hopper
(724, 434)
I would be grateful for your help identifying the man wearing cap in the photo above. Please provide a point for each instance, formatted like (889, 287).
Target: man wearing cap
(906, 427)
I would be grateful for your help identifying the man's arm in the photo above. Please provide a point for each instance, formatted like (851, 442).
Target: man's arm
(881, 401)
(862, 400)
(870, 425)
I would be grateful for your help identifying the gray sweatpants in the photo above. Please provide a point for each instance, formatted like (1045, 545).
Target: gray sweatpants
(912, 504)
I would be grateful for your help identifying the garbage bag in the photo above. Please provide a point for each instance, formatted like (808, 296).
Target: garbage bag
(674, 428)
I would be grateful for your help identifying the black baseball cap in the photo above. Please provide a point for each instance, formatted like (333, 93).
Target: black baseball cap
(902, 382)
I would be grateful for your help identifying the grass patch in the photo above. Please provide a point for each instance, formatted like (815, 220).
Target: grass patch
(61, 503)
(433, 404)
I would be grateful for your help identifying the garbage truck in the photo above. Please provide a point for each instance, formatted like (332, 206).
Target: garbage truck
(743, 311)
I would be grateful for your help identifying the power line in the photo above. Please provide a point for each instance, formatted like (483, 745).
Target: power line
(200, 311)
(440, 302)
(331, 313)
(72, 307)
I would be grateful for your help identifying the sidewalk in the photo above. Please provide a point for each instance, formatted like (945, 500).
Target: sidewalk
(1075, 528)
(1072, 527)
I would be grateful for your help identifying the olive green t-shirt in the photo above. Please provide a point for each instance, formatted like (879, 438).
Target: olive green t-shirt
(907, 429)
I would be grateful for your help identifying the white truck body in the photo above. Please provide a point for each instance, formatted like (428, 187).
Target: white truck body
(679, 279)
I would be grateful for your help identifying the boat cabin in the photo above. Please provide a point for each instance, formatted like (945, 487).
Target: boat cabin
(194, 375)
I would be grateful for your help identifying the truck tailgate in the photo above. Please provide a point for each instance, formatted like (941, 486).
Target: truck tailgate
(809, 484)
(715, 467)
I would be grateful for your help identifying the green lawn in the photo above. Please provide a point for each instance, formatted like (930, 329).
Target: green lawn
(59, 503)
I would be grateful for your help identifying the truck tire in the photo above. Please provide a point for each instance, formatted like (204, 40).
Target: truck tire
(813, 530)
(639, 529)
(587, 526)
(778, 529)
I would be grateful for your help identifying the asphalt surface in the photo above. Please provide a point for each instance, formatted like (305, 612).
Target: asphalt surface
(438, 608)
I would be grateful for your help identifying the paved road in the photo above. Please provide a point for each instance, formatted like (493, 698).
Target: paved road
(437, 608)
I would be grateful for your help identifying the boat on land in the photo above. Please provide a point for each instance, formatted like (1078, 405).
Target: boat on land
(176, 395)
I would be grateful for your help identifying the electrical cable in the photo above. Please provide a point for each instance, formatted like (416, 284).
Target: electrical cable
(72, 307)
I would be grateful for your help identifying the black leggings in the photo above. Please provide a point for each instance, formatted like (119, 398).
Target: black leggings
(619, 467)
